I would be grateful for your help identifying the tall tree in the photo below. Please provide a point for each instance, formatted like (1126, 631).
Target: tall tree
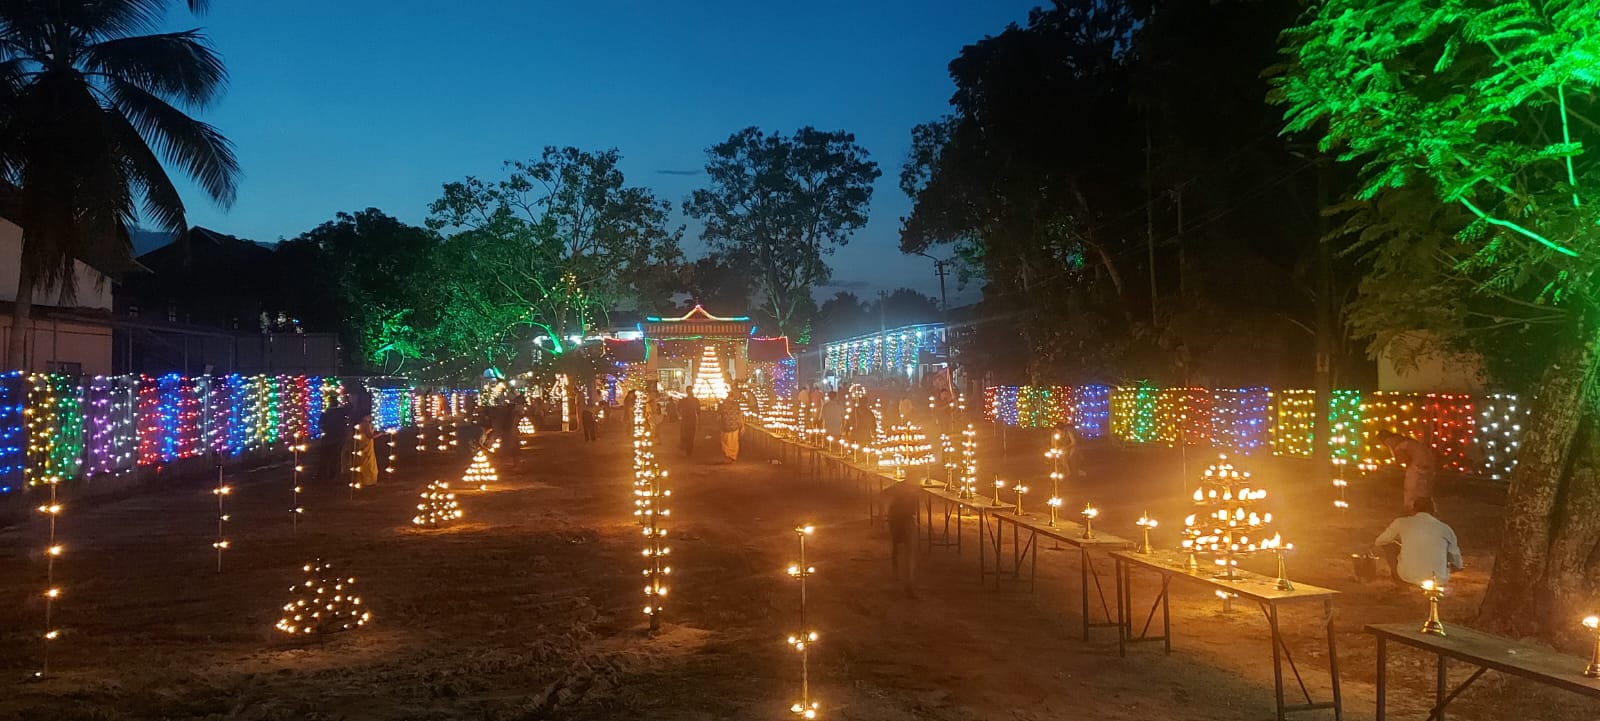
(92, 100)
(904, 306)
(1030, 180)
(842, 316)
(777, 205)
(382, 277)
(555, 244)
(1491, 108)
(1111, 174)
(713, 283)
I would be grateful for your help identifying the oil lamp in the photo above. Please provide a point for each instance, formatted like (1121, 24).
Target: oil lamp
(1593, 624)
(1434, 592)
(1089, 513)
(1145, 523)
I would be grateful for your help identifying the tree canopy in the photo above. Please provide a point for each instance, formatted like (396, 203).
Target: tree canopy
(1471, 123)
(776, 205)
(556, 244)
(1111, 176)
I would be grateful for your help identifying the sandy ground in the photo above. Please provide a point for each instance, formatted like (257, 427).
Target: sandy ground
(530, 608)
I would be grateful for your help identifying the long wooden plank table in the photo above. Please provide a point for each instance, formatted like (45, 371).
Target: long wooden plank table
(1068, 532)
(1254, 586)
(953, 504)
(1485, 651)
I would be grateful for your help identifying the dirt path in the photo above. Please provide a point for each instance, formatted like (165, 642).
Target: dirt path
(531, 608)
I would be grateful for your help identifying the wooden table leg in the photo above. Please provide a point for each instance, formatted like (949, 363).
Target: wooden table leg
(1441, 679)
(1016, 552)
(1166, 613)
(1083, 558)
(929, 501)
(1383, 677)
(1277, 660)
(1033, 572)
(1333, 661)
(1122, 608)
(983, 529)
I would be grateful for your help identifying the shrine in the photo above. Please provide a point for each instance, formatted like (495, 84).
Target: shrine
(703, 355)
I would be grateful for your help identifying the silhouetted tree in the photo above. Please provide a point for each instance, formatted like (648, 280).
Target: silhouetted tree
(92, 101)
(776, 205)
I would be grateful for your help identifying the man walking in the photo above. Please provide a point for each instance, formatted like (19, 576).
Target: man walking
(903, 499)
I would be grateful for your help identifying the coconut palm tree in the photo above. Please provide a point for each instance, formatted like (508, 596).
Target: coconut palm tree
(92, 101)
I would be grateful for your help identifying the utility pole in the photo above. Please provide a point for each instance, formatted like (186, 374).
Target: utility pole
(941, 267)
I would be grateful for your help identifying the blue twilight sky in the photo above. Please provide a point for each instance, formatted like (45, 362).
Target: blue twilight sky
(339, 105)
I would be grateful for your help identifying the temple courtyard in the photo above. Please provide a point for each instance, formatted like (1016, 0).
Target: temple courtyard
(530, 606)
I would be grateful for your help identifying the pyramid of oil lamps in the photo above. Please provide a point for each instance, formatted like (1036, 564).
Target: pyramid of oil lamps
(480, 473)
(437, 506)
(778, 417)
(904, 445)
(1226, 525)
(710, 385)
(323, 603)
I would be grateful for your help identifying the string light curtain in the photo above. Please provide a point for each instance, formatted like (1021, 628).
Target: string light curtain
(1471, 434)
(1243, 424)
(1133, 414)
(1293, 423)
(13, 457)
(58, 426)
(54, 419)
(1183, 415)
(1091, 415)
(111, 444)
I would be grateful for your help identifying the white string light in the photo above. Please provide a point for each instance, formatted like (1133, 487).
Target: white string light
(52, 592)
(295, 509)
(221, 491)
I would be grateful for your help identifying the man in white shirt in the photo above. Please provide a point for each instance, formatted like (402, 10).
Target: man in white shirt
(1419, 546)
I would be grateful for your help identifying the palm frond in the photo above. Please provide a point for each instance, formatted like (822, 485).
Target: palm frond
(162, 204)
(203, 153)
(179, 65)
(110, 18)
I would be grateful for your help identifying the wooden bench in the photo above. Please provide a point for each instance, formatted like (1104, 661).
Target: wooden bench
(1485, 651)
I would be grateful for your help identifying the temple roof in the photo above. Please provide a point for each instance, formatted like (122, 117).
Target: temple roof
(698, 323)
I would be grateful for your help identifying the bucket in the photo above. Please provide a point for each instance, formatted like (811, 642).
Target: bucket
(1365, 566)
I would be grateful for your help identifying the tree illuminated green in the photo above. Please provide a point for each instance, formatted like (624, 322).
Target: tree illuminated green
(1489, 107)
(553, 246)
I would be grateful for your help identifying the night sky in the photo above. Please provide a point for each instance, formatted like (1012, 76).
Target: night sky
(343, 105)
